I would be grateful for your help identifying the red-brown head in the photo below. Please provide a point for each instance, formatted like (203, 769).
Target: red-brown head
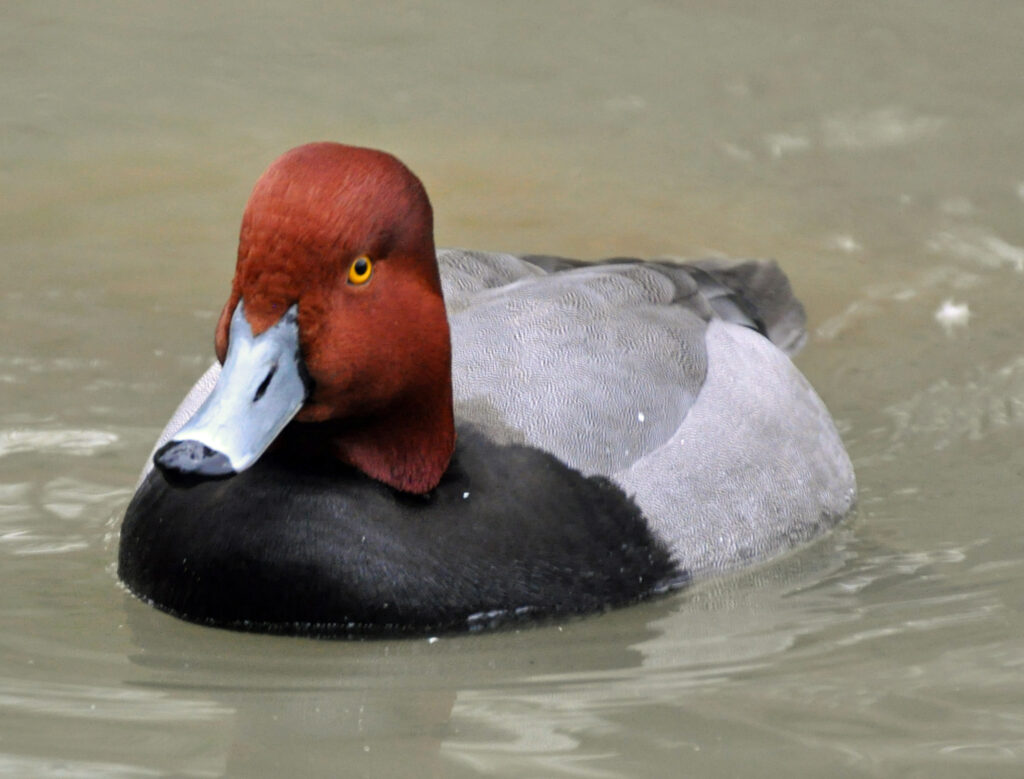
(346, 235)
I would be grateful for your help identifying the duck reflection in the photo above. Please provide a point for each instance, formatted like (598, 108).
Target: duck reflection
(365, 708)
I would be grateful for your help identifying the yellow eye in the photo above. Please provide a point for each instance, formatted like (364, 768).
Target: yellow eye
(360, 270)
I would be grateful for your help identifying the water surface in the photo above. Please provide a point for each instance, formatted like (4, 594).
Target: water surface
(875, 150)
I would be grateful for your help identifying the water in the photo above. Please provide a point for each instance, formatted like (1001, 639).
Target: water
(874, 149)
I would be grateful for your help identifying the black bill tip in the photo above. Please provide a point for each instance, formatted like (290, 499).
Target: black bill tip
(192, 459)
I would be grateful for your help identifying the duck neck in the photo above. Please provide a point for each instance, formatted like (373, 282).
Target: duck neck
(408, 448)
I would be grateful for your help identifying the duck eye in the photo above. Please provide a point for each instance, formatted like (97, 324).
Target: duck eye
(360, 270)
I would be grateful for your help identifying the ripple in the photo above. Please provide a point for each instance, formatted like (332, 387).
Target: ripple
(844, 243)
(11, 765)
(780, 144)
(947, 412)
(69, 441)
(980, 247)
(880, 298)
(107, 703)
(32, 364)
(63, 515)
(877, 129)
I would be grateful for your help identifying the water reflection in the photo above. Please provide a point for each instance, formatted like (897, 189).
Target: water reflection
(378, 708)
(545, 699)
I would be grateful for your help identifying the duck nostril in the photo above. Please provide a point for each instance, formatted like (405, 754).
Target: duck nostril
(262, 389)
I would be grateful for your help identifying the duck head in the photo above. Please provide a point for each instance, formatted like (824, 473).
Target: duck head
(335, 318)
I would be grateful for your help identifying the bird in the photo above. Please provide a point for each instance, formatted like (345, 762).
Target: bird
(401, 440)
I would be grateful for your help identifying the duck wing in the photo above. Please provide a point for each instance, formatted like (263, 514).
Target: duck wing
(597, 362)
(754, 293)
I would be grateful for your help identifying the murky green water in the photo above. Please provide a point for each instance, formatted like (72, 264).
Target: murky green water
(876, 150)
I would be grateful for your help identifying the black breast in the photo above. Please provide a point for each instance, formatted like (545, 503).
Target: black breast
(297, 546)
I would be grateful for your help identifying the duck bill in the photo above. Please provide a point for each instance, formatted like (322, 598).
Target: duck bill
(261, 388)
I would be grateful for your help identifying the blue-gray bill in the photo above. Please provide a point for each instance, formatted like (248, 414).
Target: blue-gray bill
(260, 389)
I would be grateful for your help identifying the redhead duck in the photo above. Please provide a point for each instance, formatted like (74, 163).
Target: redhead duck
(400, 439)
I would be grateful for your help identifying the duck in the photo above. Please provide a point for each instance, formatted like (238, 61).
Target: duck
(396, 439)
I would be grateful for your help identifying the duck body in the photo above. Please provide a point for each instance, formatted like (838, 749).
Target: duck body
(294, 545)
(623, 427)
